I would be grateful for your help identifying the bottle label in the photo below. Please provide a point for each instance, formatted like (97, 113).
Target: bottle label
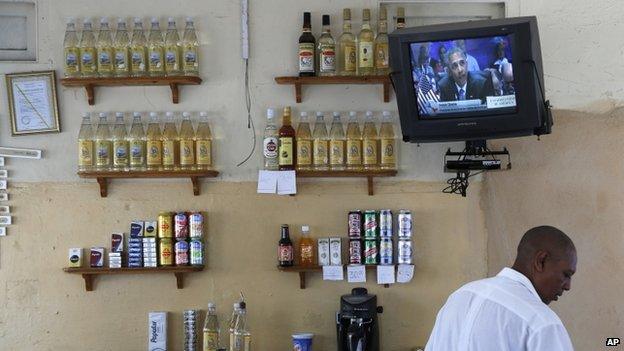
(285, 253)
(304, 152)
(190, 55)
(388, 156)
(381, 56)
(366, 54)
(154, 152)
(105, 63)
(87, 59)
(211, 341)
(270, 147)
(370, 151)
(168, 152)
(172, 61)
(121, 63)
(286, 151)
(320, 152)
(120, 155)
(336, 152)
(204, 152)
(137, 153)
(328, 58)
(306, 254)
(187, 155)
(306, 57)
(102, 152)
(349, 58)
(155, 60)
(71, 60)
(85, 153)
(354, 152)
(138, 60)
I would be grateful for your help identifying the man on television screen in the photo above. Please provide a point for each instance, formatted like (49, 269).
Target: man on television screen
(462, 84)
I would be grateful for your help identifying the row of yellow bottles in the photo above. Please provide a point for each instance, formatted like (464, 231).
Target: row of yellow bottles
(157, 149)
(123, 55)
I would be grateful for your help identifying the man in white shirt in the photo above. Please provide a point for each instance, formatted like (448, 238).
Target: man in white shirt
(509, 312)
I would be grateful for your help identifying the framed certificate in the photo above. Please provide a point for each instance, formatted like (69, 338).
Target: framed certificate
(32, 102)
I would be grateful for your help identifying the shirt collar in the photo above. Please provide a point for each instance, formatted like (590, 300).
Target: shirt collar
(514, 275)
(457, 86)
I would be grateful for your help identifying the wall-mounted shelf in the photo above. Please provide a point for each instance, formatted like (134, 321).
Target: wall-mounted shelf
(368, 174)
(303, 270)
(103, 177)
(300, 81)
(90, 83)
(89, 273)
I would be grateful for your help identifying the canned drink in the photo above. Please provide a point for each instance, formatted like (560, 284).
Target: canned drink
(385, 223)
(164, 225)
(165, 256)
(355, 224)
(370, 224)
(181, 253)
(181, 226)
(405, 252)
(196, 221)
(370, 252)
(355, 251)
(405, 224)
(197, 253)
(385, 251)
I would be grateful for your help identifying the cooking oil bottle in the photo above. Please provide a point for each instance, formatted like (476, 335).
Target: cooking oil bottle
(304, 143)
(88, 62)
(85, 144)
(388, 142)
(155, 48)
(187, 147)
(104, 49)
(320, 140)
(136, 140)
(121, 45)
(190, 45)
(370, 142)
(138, 50)
(170, 143)
(354, 143)
(71, 51)
(121, 161)
(154, 143)
(203, 142)
(103, 158)
(172, 49)
(336, 144)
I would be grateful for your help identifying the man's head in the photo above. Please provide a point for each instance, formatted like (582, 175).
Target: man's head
(458, 65)
(548, 258)
(460, 43)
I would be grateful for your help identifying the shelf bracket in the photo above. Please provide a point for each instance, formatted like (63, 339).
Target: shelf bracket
(88, 278)
(196, 185)
(175, 93)
(90, 94)
(103, 186)
(302, 280)
(179, 280)
(298, 92)
(369, 180)
(386, 92)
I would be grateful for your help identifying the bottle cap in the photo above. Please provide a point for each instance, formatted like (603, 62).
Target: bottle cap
(319, 114)
(121, 20)
(119, 114)
(87, 20)
(104, 20)
(136, 114)
(154, 20)
(270, 113)
(169, 114)
(138, 20)
(189, 19)
(236, 305)
(211, 305)
(69, 20)
(326, 20)
(284, 225)
(369, 113)
(400, 12)
(366, 14)
(153, 114)
(86, 115)
(386, 113)
(171, 19)
(305, 228)
(203, 114)
(186, 114)
(383, 13)
(336, 114)
(346, 14)
(103, 115)
(303, 114)
(352, 114)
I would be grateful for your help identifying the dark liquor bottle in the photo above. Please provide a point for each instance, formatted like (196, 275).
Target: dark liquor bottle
(287, 143)
(307, 44)
(285, 248)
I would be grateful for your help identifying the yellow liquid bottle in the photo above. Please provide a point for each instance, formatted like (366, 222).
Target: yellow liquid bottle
(121, 46)
(365, 46)
(155, 50)
(306, 248)
(172, 49)
(203, 143)
(187, 145)
(370, 143)
(88, 53)
(138, 50)
(103, 147)
(304, 143)
(354, 143)
(400, 18)
(320, 142)
(326, 51)
(347, 57)
(154, 143)
(136, 140)
(336, 144)
(388, 143)
(71, 51)
(85, 144)
(190, 53)
(121, 150)
(170, 143)
(381, 44)
(104, 50)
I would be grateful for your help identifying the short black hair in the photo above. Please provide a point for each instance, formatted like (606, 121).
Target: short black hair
(546, 238)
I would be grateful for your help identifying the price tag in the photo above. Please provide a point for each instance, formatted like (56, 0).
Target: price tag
(3, 184)
(405, 273)
(4, 197)
(385, 274)
(356, 274)
(4, 173)
(5, 220)
(286, 183)
(1, 161)
(5, 210)
(333, 273)
(267, 182)
(2, 231)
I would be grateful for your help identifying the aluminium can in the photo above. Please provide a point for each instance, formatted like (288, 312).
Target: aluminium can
(385, 251)
(385, 223)
(370, 252)
(355, 251)
(165, 257)
(196, 223)
(181, 253)
(165, 229)
(370, 224)
(355, 224)
(405, 252)
(405, 224)
(197, 252)
(181, 226)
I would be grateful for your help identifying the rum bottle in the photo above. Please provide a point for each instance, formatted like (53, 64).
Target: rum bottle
(170, 143)
(370, 142)
(307, 45)
(138, 50)
(400, 19)
(381, 44)
(326, 50)
(287, 144)
(88, 53)
(203, 142)
(172, 49)
(85, 144)
(154, 143)
(190, 54)
(306, 247)
(320, 156)
(103, 157)
(232, 323)
(211, 329)
(121, 46)
(71, 51)
(365, 60)
(187, 145)
(304, 143)
(354, 143)
(388, 143)
(285, 255)
(242, 336)
(346, 47)
(136, 140)
(336, 144)
(155, 50)
(121, 161)
(269, 143)
(104, 50)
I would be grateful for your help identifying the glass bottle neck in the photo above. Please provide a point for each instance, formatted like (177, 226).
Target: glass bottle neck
(346, 26)
(326, 30)
(366, 24)
(383, 27)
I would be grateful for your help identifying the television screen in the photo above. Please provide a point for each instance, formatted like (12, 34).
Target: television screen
(456, 78)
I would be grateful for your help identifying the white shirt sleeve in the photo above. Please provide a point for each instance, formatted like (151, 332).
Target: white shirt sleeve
(552, 337)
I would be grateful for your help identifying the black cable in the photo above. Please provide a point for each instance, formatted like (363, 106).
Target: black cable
(539, 83)
(250, 123)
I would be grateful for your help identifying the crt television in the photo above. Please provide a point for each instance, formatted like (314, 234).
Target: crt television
(472, 80)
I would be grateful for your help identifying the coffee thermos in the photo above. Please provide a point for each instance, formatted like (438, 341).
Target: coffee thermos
(357, 326)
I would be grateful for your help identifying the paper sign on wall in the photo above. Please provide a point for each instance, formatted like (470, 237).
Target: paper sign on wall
(286, 183)
(267, 182)
(356, 274)
(333, 273)
(405, 273)
(385, 274)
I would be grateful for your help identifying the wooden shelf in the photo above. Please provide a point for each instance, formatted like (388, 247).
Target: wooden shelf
(89, 273)
(103, 176)
(90, 83)
(368, 174)
(299, 81)
(303, 270)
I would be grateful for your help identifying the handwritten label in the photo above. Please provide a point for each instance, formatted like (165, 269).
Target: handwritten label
(356, 274)
(333, 273)
(405, 273)
(267, 182)
(3, 184)
(286, 183)
(2, 231)
(385, 274)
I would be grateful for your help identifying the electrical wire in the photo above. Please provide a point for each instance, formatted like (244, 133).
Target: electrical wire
(250, 122)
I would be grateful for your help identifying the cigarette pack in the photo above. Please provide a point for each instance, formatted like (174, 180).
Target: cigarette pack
(157, 331)
(75, 257)
(335, 251)
(117, 241)
(323, 252)
(150, 228)
(136, 229)
(97, 257)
